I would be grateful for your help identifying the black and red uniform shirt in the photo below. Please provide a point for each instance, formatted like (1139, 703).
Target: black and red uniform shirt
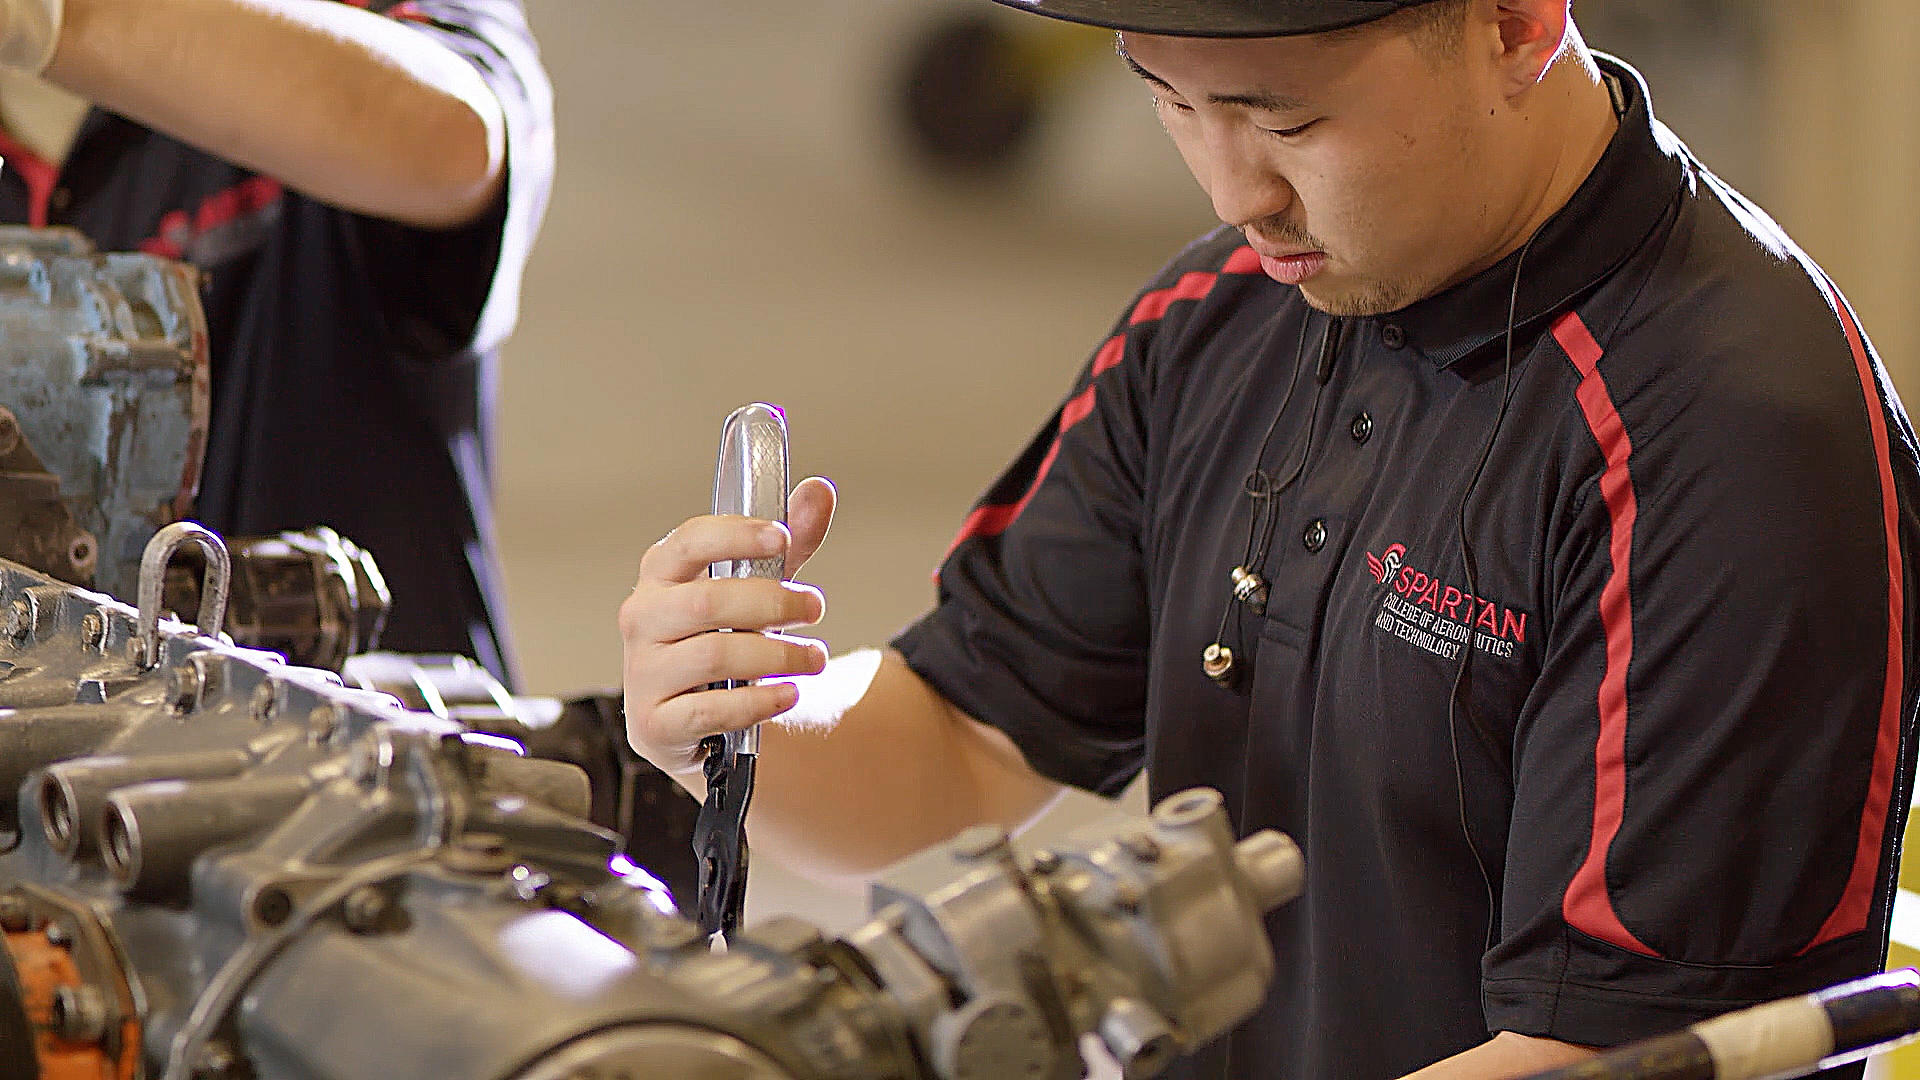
(1682, 748)
(353, 358)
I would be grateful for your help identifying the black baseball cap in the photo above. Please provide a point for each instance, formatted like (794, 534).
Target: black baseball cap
(1217, 18)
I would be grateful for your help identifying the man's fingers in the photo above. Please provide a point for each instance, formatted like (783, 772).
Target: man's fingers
(685, 720)
(695, 607)
(809, 514)
(711, 658)
(685, 553)
(670, 736)
(667, 719)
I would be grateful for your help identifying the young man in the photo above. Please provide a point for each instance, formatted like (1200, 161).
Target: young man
(360, 183)
(1498, 503)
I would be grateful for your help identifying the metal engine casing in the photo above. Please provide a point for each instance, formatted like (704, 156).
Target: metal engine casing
(219, 865)
(103, 403)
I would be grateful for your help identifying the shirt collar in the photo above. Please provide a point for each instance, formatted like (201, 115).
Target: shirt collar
(1626, 195)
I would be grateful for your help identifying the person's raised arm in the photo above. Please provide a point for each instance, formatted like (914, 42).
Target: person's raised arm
(348, 107)
(868, 763)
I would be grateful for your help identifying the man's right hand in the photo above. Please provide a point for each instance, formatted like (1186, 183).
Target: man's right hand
(667, 630)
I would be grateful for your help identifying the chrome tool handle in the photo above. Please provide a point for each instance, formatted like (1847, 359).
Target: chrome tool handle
(750, 478)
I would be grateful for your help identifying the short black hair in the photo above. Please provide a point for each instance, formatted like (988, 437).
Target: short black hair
(1441, 23)
(1438, 26)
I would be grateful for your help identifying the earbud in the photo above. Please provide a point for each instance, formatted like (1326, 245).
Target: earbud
(1217, 662)
(1249, 588)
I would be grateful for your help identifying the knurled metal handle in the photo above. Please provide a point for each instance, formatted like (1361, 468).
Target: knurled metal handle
(750, 478)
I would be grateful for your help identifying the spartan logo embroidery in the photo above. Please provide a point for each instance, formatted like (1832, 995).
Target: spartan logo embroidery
(1427, 613)
(1385, 565)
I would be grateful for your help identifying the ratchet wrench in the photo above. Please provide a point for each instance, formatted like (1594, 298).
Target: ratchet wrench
(750, 478)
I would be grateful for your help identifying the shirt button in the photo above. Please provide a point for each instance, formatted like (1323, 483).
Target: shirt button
(1392, 336)
(1316, 535)
(1361, 428)
(60, 199)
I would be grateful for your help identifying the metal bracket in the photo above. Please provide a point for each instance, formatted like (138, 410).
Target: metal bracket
(153, 577)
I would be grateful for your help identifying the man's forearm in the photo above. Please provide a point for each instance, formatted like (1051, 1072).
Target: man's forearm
(1506, 1056)
(343, 105)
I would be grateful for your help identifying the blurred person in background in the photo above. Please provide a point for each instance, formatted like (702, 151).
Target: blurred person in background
(1497, 502)
(359, 183)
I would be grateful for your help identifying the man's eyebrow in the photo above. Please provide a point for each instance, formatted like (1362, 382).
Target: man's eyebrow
(1264, 100)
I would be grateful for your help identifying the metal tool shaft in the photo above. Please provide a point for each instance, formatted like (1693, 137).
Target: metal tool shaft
(750, 479)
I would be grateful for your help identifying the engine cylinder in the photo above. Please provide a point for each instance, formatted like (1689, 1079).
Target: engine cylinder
(73, 793)
(152, 832)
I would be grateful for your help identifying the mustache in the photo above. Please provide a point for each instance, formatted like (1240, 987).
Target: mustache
(1280, 232)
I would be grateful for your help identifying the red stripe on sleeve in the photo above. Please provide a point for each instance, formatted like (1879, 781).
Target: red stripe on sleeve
(178, 229)
(993, 519)
(1587, 907)
(1856, 902)
(1154, 305)
(245, 197)
(39, 174)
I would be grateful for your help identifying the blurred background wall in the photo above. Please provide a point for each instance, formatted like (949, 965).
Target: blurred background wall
(739, 216)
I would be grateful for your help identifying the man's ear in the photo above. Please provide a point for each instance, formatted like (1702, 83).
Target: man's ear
(1532, 35)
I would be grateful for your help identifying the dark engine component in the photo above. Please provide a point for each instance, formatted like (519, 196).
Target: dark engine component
(314, 597)
(103, 404)
(653, 815)
(219, 865)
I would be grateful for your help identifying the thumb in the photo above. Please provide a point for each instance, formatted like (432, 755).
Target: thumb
(809, 514)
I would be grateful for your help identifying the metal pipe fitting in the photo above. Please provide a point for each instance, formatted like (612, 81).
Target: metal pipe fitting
(152, 832)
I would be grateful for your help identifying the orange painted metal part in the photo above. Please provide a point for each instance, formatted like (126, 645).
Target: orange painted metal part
(44, 968)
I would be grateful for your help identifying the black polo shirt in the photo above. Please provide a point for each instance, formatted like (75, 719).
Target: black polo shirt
(1683, 746)
(353, 358)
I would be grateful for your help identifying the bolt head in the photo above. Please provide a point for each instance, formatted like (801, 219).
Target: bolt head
(185, 683)
(15, 916)
(364, 909)
(265, 698)
(80, 1013)
(322, 722)
(18, 621)
(93, 630)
